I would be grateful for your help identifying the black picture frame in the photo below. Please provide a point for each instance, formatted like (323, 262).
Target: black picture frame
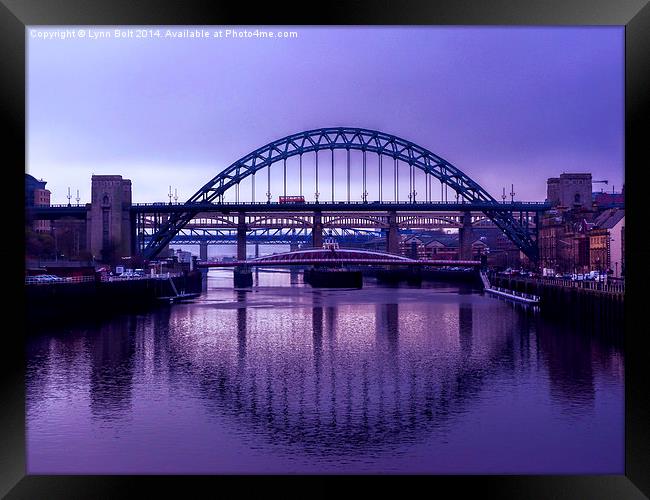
(15, 15)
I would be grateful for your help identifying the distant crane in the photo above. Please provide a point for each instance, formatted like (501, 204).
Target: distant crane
(600, 182)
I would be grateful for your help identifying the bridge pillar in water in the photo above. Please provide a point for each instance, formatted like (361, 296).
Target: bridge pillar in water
(317, 231)
(243, 276)
(465, 237)
(203, 251)
(392, 238)
(241, 236)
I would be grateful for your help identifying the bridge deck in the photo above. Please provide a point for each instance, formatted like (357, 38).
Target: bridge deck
(341, 206)
(363, 262)
(53, 212)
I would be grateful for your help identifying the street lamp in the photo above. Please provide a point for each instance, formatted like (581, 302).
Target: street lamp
(610, 261)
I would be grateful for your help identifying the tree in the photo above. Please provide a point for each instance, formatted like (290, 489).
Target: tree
(38, 245)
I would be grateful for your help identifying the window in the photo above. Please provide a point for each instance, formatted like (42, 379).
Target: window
(105, 226)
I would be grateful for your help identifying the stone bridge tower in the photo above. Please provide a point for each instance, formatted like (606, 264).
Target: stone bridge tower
(108, 220)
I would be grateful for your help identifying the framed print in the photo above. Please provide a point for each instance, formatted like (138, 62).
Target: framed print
(372, 242)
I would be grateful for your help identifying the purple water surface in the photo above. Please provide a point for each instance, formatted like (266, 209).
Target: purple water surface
(289, 379)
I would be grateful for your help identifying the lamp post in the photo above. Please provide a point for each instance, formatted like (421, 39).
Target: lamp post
(56, 247)
(609, 246)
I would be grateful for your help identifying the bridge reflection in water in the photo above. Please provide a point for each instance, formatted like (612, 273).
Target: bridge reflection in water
(320, 380)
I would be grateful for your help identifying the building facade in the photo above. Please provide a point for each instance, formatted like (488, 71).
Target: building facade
(579, 237)
(570, 191)
(109, 220)
(611, 227)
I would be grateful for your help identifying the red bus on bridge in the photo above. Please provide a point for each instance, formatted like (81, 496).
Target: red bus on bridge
(291, 199)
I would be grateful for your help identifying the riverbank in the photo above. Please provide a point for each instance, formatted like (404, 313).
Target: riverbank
(55, 303)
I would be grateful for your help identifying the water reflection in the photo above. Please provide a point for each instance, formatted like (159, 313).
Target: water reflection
(331, 375)
(111, 354)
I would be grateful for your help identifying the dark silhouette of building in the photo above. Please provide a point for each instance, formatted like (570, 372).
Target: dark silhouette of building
(37, 196)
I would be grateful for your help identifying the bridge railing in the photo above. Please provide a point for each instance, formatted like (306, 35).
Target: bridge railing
(324, 202)
(61, 205)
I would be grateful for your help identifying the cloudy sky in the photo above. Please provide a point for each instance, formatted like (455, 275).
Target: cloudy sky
(505, 105)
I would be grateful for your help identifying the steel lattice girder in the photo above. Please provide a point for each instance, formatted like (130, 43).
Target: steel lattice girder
(350, 139)
(219, 236)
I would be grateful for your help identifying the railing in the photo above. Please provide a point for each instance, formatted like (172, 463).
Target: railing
(61, 205)
(352, 202)
(35, 280)
(485, 280)
(161, 276)
(515, 293)
(601, 286)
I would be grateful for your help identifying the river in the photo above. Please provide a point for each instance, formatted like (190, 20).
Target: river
(283, 378)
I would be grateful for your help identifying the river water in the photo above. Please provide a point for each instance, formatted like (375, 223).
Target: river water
(283, 378)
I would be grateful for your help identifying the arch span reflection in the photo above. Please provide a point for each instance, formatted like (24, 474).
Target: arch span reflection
(320, 377)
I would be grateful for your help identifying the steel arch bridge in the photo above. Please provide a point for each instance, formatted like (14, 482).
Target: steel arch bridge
(348, 139)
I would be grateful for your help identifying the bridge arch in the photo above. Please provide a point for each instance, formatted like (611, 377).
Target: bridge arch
(447, 221)
(301, 222)
(347, 138)
(373, 220)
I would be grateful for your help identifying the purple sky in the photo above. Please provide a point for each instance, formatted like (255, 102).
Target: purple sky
(505, 105)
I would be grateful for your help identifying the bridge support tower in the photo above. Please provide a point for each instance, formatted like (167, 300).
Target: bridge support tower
(109, 222)
(241, 236)
(465, 237)
(243, 277)
(392, 238)
(203, 251)
(317, 231)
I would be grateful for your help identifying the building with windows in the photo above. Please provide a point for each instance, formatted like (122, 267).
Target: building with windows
(609, 240)
(579, 237)
(570, 191)
(37, 196)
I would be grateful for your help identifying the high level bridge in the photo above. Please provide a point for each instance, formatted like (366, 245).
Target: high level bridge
(333, 179)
